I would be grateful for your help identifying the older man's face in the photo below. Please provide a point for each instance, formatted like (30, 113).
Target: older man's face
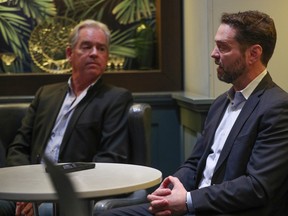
(90, 54)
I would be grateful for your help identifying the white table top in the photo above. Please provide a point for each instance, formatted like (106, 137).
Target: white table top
(32, 183)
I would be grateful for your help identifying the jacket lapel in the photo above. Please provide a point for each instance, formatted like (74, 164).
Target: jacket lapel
(52, 110)
(216, 120)
(79, 109)
(247, 110)
(238, 126)
(59, 98)
(211, 127)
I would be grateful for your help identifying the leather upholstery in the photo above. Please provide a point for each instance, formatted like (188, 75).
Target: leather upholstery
(139, 120)
(11, 115)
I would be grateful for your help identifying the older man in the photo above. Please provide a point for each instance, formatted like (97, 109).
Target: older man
(83, 119)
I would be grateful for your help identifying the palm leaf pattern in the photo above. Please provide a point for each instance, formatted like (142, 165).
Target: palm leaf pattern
(13, 27)
(17, 20)
(127, 12)
(37, 9)
(16, 28)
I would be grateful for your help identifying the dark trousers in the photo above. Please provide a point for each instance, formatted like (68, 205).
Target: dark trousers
(136, 210)
(7, 208)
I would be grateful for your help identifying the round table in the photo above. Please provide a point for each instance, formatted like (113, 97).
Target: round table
(32, 183)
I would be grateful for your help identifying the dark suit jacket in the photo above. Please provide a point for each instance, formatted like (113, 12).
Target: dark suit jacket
(251, 176)
(97, 130)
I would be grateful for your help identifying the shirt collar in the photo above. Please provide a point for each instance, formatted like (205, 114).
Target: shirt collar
(247, 91)
(70, 88)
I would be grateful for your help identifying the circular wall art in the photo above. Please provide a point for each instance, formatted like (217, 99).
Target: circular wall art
(48, 42)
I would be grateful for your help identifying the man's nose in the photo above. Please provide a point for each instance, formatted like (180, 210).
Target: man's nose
(215, 53)
(93, 51)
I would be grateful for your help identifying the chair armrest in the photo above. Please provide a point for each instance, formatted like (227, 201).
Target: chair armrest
(134, 198)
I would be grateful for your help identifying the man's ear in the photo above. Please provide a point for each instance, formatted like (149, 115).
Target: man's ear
(255, 53)
(68, 52)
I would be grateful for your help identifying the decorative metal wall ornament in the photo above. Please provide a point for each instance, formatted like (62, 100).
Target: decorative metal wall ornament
(47, 44)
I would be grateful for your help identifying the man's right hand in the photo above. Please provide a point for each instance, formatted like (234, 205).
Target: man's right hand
(166, 202)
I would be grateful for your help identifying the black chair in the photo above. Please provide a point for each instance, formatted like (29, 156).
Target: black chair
(139, 121)
(11, 115)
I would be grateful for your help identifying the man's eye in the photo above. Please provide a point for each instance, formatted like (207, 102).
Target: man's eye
(102, 49)
(221, 48)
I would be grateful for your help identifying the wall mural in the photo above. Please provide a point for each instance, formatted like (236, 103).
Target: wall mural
(33, 33)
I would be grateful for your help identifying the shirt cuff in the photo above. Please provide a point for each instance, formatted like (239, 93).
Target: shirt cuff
(189, 203)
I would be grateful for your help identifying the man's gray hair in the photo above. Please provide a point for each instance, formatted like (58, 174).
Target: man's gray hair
(73, 37)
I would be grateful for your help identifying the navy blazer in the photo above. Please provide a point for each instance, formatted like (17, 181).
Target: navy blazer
(251, 175)
(97, 130)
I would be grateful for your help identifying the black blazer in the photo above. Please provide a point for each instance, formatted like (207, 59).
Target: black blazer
(251, 176)
(97, 130)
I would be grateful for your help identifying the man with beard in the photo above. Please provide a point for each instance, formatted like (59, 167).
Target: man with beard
(239, 163)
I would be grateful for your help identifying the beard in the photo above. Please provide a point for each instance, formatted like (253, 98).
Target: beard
(231, 73)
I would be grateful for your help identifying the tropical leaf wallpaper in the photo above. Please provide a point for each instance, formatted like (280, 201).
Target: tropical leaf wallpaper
(132, 23)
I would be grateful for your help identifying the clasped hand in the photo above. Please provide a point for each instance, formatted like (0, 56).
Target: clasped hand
(165, 201)
(23, 208)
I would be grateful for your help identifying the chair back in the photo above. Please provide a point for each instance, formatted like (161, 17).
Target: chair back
(139, 121)
(11, 116)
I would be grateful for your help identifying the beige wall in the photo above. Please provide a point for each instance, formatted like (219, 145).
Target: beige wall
(201, 20)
